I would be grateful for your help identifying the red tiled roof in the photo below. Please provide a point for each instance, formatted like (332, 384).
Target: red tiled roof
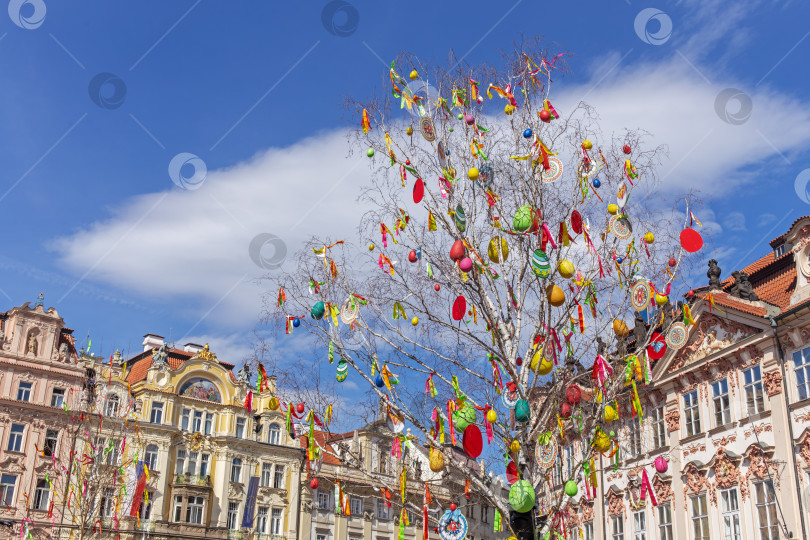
(725, 300)
(774, 281)
(143, 361)
(788, 230)
(323, 440)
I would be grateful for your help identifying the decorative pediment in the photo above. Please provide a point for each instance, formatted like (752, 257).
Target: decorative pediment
(662, 488)
(726, 473)
(694, 479)
(12, 463)
(615, 503)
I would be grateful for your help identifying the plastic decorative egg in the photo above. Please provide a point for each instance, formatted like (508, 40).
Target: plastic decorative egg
(274, 403)
(492, 416)
(296, 323)
(661, 464)
(371, 247)
(649, 237)
(465, 265)
(540, 265)
(409, 131)
(555, 295)
(601, 442)
(457, 250)
(566, 268)
(522, 411)
(412, 256)
(661, 299)
(498, 250)
(318, 311)
(626, 149)
(620, 328)
(597, 182)
(464, 417)
(515, 447)
(619, 260)
(342, 370)
(613, 208)
(379, 381)
(527, 133)
(573, 395)
(521, 496)
(472, 174)
(565, 411)
(610, 414)
(518, 361)
(469, 119)
(313, 483)
(414, 75)
(545, 116)
(523, 218)
(436, 461)
(540, 364)
(509, 109)
(672, 262)
(415, 321)
(460, 116)
(437, 287)
(450, 129)
(587, 145)
(370, 152)
(571, 488)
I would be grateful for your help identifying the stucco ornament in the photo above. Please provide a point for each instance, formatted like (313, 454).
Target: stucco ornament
(726, 472)
(772, 380)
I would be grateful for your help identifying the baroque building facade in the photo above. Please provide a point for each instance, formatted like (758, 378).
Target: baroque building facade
(729, 412)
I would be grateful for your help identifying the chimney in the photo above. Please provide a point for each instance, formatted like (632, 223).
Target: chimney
(192, 348)
(152, 341)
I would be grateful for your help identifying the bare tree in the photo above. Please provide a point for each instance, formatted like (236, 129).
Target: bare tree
(469, 163)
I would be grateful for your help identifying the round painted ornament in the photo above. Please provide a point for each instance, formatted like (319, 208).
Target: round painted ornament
(620, 227)
(622, 194)
(427, 129)
(640, 295)
(472, 442)
(486, 176)
(677, 335)
(661, 464)
(318, 311)
(498, 249)
(523, 218)
(521, 496)
(459, 308)
(554, 172)
(350, 311)
(691, 240)
(657, 347)
(576, 222)
(546, 452)
(522, 411)
(464, 417)
(460, 219)
(452, 525)
(509, 398)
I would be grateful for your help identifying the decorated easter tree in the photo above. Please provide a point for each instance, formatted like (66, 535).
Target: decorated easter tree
(509, 287)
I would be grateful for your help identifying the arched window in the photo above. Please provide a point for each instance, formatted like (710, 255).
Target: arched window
(111, 408)
(151, 457)
(274, 434)
(236, 470)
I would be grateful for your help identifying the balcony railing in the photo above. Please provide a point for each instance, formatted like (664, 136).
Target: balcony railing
(192, 480)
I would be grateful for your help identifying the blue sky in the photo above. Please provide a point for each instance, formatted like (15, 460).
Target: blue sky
(94, 220)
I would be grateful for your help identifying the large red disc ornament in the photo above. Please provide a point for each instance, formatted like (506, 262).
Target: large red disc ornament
(459, 308)
(691, 240)
(473, 443)
(418, 191)
(657, 347)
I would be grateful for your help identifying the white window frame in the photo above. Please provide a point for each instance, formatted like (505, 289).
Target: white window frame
(24, 390)
(722, 402)
(197, 421)
(700, 517)
(754, 394)
(16, 438)
(632, 431)
(51, 442)
(107, 503)
(639, 525)
(356, 505)
(185, 420)
(8, 486)
(267, 474)
(178, 508)
(239, 429)
(278, 476)
(209, 423)
(617, 527)
(801, 369)
(57, 397)
(324, 500)
(691, 413)
(41, 495)
(587, 530)
(236, 470)
(150, 456)
(276, 515)
(195, 508)
(180, 462)
(274, 434)
(262, 517)
(665, 522)
(233, 516)
(658, 427)
(730, 514)
(156, 414)
(111, 405)
(765, 499)
(383, 512)
(205, 461)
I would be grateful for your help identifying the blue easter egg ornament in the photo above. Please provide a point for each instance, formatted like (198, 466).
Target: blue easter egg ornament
(619, 260)
(597, 182)
(379, 381)
(296, 323)
(527, 133)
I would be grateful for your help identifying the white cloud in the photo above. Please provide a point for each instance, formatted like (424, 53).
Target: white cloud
(193, 245)
(735, 221)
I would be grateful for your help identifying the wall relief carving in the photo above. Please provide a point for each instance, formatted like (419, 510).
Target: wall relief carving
(615, 503)
(673, 420)
(772, 380)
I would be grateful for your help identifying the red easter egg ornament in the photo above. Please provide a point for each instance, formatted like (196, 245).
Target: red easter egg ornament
(418, 191)
(459, 308)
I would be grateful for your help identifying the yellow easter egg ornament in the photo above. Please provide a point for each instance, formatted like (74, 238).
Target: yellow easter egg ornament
(610, 413)
(273, 403)
(587, 145)
(472, 174)
(414, 75)
(613, 208)
(649, 237)
(509, 109)
(492, 416)
(415, 321)
(515, 447)
(498, 250)
(540, 364)
(566, 268)
(409, 131)
(620, 328)
(555, 295)
(371, 247)
(436, 461)
(660, 299)
(601, 442)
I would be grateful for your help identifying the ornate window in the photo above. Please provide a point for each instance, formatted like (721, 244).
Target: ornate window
(617, 527)
(664, 522)
(233, 516)
(7, 484)
(659, 431)
(323, 500)
(261, 519)
(754, 400)
(41, 495)
(15, 438)
(51, 439)
(639, 525)
(722, 406)
(240, 428)
(200, 389)
(700, 518)
(236, 470)
(275, 521)
(278, 477)
(267, 471)
(151, 457)
(801, 365)
(691, 413)
(157, 413)
(356, 505)
(194, 510)
(730, 507)
(24, 391)
(111, 406)
(274, 434)
(766, 510)
(57, 397)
